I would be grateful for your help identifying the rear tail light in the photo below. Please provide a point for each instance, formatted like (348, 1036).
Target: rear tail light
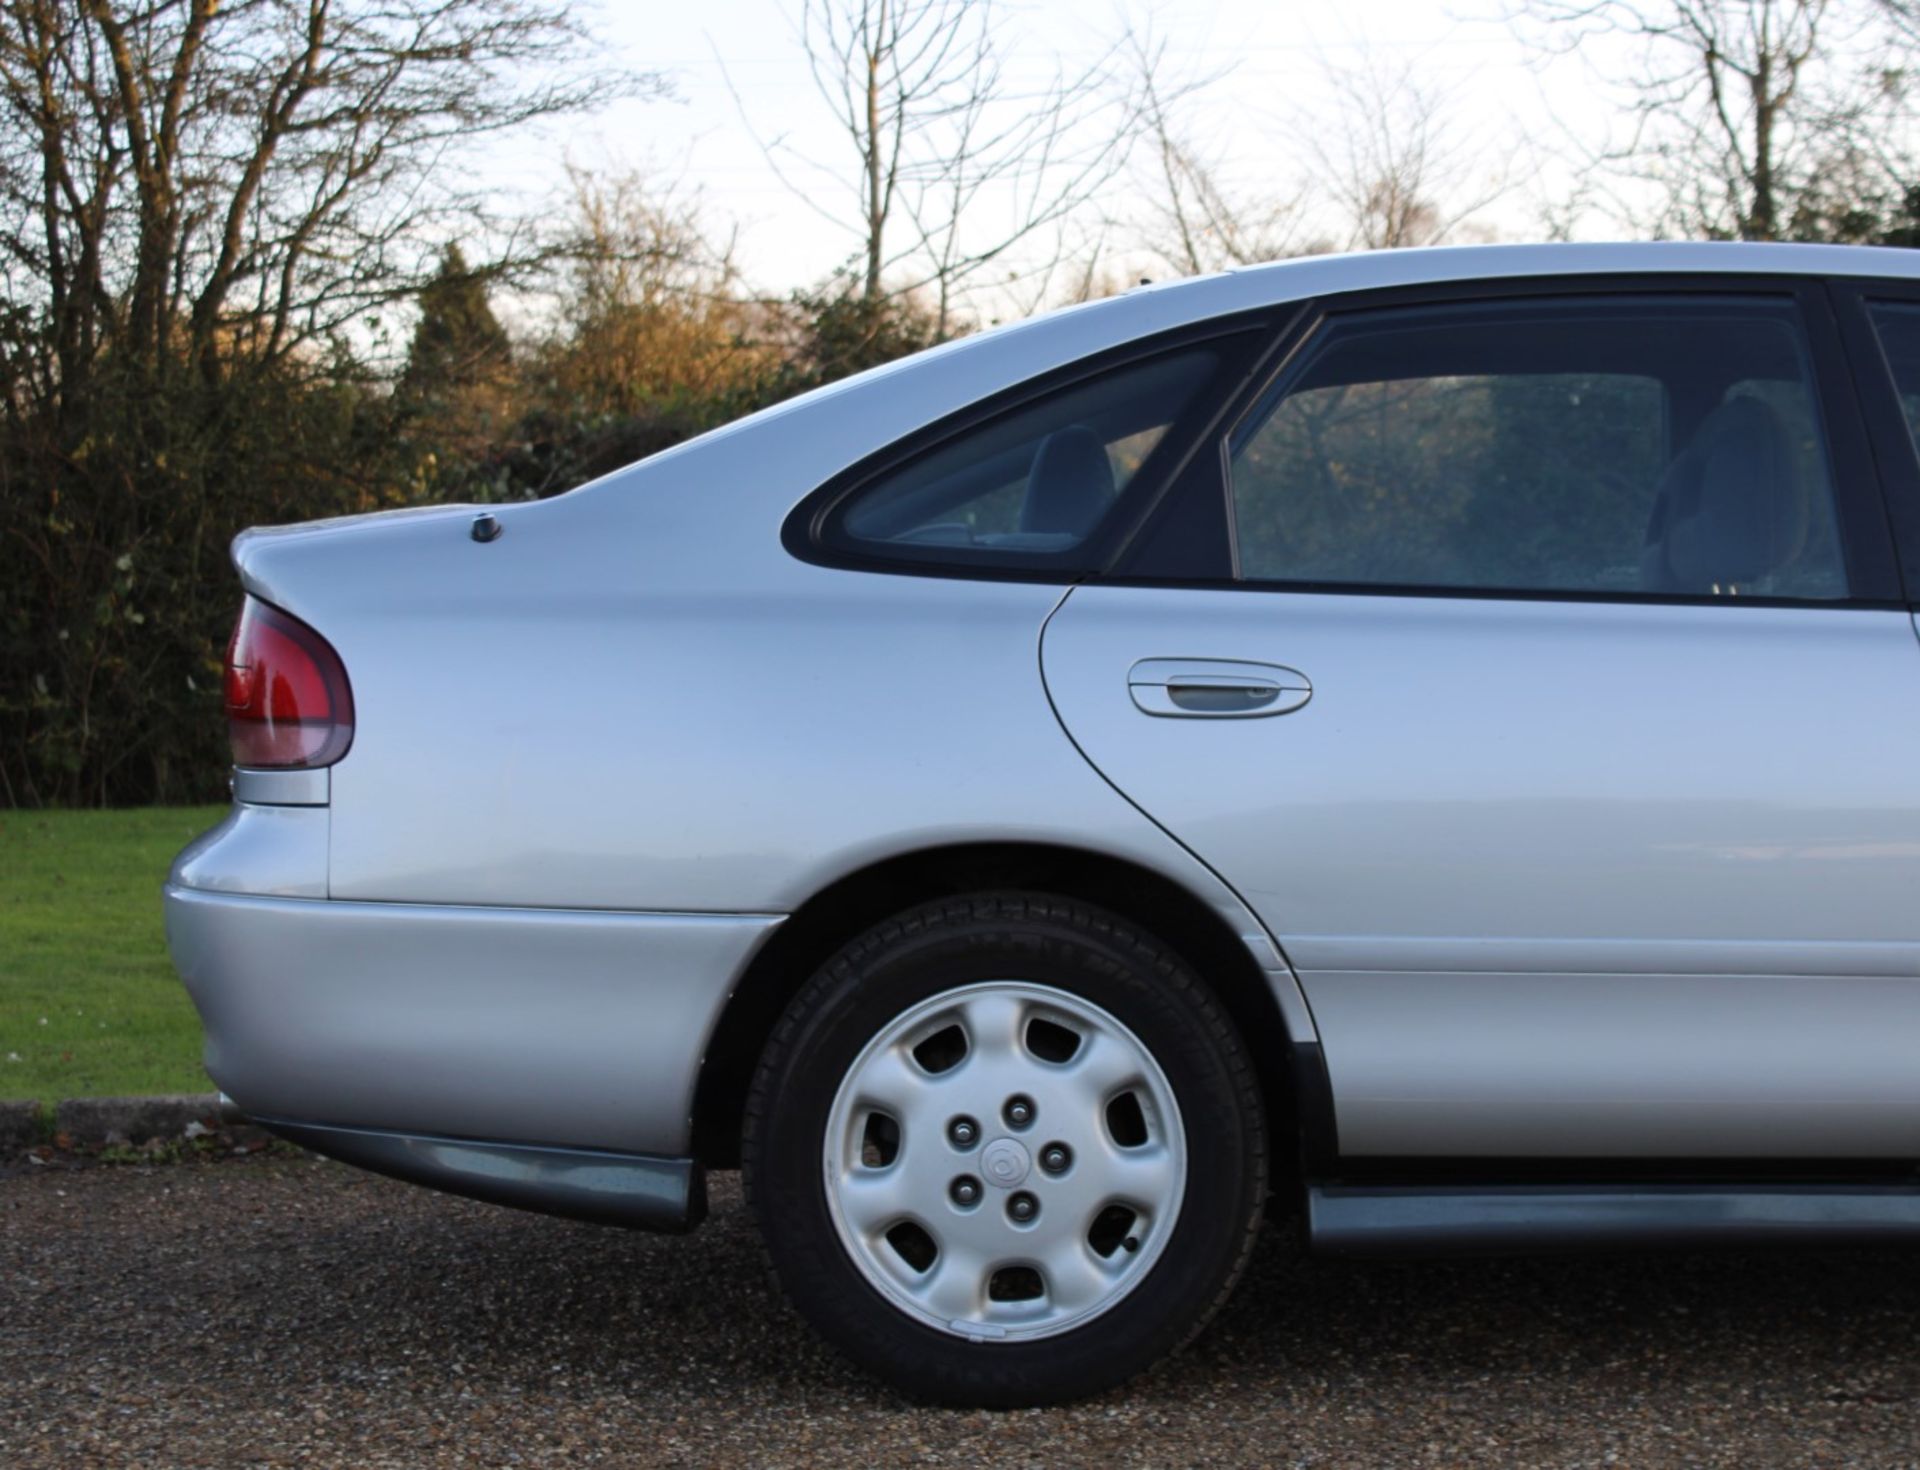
(288, 703)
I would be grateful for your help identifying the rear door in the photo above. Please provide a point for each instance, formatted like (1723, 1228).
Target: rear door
(1550, 694)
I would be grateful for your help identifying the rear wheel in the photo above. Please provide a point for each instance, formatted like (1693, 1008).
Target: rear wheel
(1006, 1150)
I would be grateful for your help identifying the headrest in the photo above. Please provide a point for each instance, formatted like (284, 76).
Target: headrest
(1070, 484)
(1732, 507)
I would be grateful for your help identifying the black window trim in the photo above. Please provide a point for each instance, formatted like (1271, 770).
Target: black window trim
(806, 533)
(1894, 449)
(1860, 496)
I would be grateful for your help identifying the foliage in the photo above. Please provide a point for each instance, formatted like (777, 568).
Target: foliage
(458, 343)
(653, 341)
(115, 598)
(841, 332)
(198, 204)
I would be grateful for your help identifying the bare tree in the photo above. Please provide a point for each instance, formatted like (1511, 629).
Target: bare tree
(950, 165)
(1739, 106)
(187, 181)
(1383, 164)
(1196, 222)
(1395, 160)
(635, 241)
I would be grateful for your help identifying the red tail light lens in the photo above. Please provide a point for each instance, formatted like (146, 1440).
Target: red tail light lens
(288, 703)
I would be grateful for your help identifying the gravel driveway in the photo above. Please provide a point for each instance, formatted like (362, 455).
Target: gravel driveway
(285, 1312)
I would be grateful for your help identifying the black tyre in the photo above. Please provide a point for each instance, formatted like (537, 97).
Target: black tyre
(1006, 1150)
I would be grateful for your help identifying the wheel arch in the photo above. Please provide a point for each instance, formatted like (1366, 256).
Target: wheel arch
(1167, 909)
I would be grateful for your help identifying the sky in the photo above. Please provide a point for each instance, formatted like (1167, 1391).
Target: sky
(740, 81)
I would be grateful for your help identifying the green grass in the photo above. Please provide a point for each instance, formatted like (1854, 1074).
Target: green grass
(89, 1004)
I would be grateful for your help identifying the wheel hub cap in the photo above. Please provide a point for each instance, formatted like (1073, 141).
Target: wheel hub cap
(1005, 1163)
(1040, 1250)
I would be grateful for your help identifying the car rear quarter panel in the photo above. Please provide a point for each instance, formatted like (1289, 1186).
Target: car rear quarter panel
(660, 746)
(637, 699)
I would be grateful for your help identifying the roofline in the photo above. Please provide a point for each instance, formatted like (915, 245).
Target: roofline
(1439, 263)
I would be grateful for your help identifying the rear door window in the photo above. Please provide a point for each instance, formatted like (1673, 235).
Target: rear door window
(1654, 446)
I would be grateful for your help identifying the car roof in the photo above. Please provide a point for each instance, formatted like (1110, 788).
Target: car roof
(1277, 282)
(1318, 274)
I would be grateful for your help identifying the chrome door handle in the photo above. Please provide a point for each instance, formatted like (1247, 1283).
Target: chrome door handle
(1216, 688)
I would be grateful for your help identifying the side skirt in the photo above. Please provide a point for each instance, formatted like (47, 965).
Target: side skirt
(638, 1191)
(1521, 1219)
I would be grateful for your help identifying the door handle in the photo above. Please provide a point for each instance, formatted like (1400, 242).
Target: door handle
(1216, 688)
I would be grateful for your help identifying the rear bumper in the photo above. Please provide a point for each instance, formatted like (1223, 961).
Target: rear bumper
(534, 1029)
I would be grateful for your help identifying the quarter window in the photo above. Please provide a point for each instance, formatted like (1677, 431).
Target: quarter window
(1603, 446)
(1036, 483)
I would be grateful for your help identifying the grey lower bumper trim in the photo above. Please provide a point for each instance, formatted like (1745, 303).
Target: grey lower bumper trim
(1521, 1219)
(636, 1190)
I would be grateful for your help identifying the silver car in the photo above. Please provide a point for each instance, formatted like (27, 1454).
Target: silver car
(1428, 736)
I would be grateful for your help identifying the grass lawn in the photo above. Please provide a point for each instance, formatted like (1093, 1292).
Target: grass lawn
(88, 1001)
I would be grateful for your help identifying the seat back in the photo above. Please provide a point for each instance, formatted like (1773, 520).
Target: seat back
(1069, 485)
(1732, 506)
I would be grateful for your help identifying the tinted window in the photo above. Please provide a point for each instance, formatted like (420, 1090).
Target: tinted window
(1899, 329)
(1627, 446)
(1035, 482)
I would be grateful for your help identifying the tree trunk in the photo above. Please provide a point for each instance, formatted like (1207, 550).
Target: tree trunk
(876, 208)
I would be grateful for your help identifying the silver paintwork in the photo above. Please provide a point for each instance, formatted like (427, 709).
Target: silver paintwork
(596, 759)
(984, 1230)
(574, 1029)
(584, 693)
(267, 851)
(1622, 1063)
(1557, 878)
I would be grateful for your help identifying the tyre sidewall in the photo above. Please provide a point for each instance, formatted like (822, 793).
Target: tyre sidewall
(867, 988)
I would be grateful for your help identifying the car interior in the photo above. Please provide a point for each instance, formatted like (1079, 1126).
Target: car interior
(1733, 499)
(1040, 478)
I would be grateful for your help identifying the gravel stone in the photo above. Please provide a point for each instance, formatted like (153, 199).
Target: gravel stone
(280, 1311)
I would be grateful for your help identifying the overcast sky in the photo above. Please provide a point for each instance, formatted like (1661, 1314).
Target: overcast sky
(1507, 106)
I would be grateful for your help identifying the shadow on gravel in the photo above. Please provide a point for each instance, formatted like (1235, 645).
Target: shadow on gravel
(393, 1317)
(512, 1297)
